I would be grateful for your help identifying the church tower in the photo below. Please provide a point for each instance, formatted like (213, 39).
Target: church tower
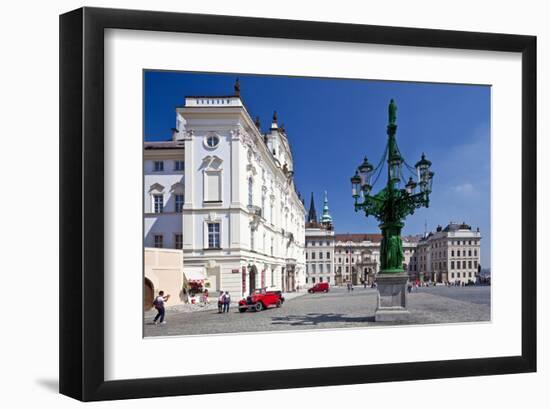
(326, 218)
(312, 215)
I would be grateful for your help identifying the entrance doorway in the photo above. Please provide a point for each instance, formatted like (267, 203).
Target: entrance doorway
(148, 294)
(252, 272)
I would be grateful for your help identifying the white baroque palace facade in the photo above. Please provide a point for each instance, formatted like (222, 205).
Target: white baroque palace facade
(319, 246)
(448, 255)
(242, 221)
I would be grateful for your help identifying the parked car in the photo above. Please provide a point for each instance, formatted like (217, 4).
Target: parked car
(319, 288)
(261, 299)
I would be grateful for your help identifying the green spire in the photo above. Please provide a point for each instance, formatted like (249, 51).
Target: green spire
(326, 217)
(392, 112)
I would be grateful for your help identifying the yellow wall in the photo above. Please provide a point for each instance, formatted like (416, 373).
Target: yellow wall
(164, 268)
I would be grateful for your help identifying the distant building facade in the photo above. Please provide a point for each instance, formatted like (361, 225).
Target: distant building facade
(357, 256)
(319, 246)
(448, 255)
(343, 258)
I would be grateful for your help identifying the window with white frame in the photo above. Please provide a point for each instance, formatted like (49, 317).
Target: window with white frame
(158, 203)
(212, 141)
(214, 235)
(179, 203)
(159, 241)
(179, 165)
(158, 166)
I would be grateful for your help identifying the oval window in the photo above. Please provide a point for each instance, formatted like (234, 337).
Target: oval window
(212, 141)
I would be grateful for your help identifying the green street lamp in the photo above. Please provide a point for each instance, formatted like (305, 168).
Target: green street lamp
(392, 204)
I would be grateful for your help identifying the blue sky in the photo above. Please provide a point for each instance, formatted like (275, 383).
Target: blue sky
(333, 123)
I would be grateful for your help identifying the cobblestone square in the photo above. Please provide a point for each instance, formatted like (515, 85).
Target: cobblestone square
(336, 309)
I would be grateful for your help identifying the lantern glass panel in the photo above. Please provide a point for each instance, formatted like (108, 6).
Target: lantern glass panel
(355, 185)
(395, 169)
(366, 177)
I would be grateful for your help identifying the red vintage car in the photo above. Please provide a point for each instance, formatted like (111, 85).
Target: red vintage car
(261, 299)
(319, 288)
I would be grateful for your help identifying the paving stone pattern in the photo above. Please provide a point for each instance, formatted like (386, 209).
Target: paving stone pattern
(336, 309)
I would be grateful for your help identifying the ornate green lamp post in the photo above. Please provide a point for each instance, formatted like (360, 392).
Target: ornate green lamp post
(391, 206)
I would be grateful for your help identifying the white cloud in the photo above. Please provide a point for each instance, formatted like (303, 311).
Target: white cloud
(464, 188)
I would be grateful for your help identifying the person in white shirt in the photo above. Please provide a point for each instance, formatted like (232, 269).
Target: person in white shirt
(158, 303)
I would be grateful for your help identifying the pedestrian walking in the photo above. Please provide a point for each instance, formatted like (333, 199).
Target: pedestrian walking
(206, 301)
(220, 302)
(158, 303)
(226, 301)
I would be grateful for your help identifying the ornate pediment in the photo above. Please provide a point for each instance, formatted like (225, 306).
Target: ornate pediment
(156, 187)
(178, 188)
(211, 162)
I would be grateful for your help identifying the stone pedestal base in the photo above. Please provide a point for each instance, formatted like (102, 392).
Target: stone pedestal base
(392, 297)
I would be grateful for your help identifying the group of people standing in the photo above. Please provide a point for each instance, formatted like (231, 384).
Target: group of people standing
(224, 300)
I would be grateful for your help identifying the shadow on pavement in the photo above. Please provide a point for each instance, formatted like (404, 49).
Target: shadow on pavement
(315, 319)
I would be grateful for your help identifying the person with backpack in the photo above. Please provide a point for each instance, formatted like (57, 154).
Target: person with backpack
(226, 302)
(158, 303)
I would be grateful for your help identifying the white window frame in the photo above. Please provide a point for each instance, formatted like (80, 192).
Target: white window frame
(176, 195)
(177, 166)
(207, 137)
(207, 234)
(153, 205)
(155, 162)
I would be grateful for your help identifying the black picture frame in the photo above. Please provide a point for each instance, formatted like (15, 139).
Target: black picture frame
(82, 212)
